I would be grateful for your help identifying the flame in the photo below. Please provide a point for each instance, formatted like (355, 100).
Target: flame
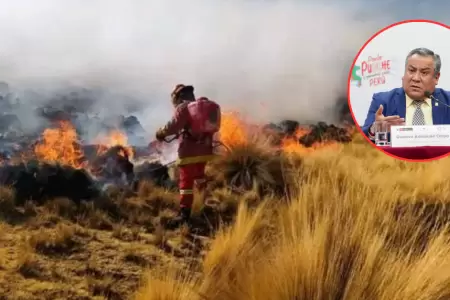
(114, 138)
(291, 145)
(232, 130)
(60, 145)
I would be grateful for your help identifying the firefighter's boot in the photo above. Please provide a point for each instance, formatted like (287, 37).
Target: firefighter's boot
(182, 218)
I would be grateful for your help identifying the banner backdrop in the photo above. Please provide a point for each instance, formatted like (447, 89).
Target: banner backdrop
(381, 64)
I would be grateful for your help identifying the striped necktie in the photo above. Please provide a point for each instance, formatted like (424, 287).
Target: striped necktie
(418, 117)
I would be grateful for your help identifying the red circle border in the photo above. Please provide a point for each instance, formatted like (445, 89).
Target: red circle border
(349, 83)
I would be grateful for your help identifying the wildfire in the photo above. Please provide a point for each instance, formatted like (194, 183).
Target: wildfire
(114, 138)
(60, 145)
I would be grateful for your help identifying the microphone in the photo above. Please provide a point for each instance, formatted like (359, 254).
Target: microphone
(429, 95)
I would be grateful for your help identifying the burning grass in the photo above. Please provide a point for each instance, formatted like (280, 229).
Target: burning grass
(61, 145)
(114, 138)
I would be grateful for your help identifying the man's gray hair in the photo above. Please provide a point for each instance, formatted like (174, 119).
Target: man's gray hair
(426, 52)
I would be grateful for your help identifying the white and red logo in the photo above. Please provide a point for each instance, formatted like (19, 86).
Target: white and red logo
(375, 70)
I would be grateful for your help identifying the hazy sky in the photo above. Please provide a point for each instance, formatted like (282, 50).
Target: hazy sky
(270, 59)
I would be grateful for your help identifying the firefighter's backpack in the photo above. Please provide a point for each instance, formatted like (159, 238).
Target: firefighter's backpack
(205, 116)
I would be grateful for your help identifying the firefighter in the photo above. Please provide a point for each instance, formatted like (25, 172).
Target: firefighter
(196, 122)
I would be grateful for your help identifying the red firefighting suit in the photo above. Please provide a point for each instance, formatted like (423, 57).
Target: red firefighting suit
(194, 151)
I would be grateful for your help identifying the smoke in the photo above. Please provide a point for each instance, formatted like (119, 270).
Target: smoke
(271, 60)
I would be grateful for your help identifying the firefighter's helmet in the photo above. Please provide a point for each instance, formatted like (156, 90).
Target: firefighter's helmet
(182, 92)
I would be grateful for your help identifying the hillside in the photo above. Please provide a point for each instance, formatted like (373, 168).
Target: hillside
(350, 228)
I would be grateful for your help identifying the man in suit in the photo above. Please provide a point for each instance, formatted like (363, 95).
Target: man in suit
(410, 105)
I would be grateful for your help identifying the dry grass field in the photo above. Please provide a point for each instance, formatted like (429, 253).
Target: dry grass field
(339, 222)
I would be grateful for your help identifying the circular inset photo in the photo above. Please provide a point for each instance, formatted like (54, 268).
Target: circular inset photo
(397, 90)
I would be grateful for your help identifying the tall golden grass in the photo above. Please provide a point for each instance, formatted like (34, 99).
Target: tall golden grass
(339, 237)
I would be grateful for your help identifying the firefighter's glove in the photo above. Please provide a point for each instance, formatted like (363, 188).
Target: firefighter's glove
(160, 135)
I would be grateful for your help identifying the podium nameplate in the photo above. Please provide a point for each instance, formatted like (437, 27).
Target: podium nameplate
(419, 136)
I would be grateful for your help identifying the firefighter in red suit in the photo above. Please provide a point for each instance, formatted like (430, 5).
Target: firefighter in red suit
(196, 122)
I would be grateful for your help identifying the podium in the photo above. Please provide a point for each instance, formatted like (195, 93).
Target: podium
(425, 152)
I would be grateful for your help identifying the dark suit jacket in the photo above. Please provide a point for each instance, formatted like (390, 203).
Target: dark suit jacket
(394, 103)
